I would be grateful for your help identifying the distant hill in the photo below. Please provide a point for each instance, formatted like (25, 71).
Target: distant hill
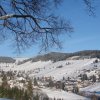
(7, 60)
(57, 56)
(54, 56)
(91, 53)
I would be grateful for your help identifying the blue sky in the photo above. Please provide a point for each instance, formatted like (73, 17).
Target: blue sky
(86, 35)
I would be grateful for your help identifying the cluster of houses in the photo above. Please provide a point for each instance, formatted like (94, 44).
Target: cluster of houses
(70, 85)
(67, 84)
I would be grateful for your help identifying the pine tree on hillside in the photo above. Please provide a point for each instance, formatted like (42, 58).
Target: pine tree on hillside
(30, 89)
(36, 97)
(5, 82)
(99, 78)
(84, 77)
(35, 82)
(94, 78)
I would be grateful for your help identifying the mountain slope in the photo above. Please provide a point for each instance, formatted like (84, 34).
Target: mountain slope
(92, 88)
(57, 56)
(7, 60)
(65, 68)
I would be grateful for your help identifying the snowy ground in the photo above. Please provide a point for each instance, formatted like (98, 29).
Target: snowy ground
(58, 70)
(92, 88)
(69, 68)
(60, 94)
(4, 99)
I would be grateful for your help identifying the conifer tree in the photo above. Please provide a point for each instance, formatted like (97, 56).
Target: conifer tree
(30, 89)
(94, 78)
(35, 82)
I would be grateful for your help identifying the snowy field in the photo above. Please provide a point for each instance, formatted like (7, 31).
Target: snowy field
(60, 94)
(92, 88)
(58, 70)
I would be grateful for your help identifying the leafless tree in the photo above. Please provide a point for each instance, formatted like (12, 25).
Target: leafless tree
(32, 21)
(90, 6)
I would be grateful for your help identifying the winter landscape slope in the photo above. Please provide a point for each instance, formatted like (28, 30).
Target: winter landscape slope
(59, 66)
(66, 68)
(52, 93)
(92, 88)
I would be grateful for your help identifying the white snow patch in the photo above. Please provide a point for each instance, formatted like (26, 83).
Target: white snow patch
(60, 94)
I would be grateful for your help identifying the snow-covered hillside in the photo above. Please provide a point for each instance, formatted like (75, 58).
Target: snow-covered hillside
(57, 70)
(92, 88)
(65, 76)
(20, 59)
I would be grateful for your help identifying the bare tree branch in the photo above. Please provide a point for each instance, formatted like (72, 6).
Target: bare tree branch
(32, 21)
(90, 7)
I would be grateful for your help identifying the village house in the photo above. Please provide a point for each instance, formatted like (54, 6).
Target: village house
(59, 85)
(69, 85)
